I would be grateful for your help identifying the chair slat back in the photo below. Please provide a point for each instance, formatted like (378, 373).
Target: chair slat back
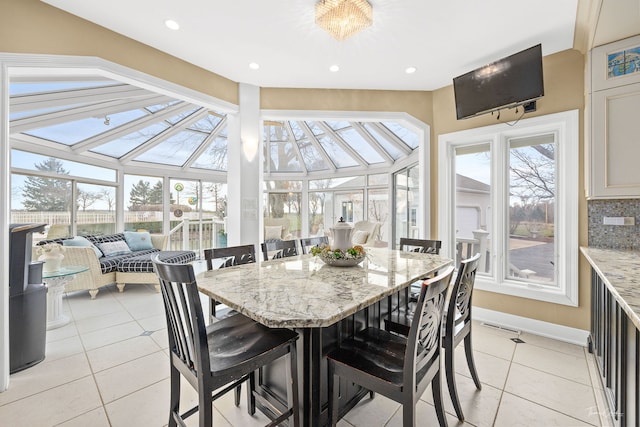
(236, 255)
(461, 293)
(185, 321)
(420, 245)
(283, 249)
(307, 242)
(424, 339)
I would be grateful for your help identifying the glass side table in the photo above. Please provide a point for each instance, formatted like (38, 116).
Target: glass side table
(55, 281)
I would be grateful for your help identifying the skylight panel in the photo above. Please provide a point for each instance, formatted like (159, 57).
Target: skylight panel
(278, 133)
(214, 157)
(315, 128)
(283, 157)
(157, 107)
(388, 146)
(313, 160)
(336, 153)
(407, 136)
(121, 146)
(70, 133)
(298, 133)
(206, 124)
(338, 125)
(175, 119)
(361, 146)
(174, 150)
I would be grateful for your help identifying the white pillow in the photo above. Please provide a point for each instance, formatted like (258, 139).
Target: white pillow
(359, 237)
(114, 248)
(272, 232)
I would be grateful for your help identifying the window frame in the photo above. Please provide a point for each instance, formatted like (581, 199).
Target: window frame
(566, 126)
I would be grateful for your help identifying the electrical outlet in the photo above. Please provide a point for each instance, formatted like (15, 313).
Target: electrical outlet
(619, 220)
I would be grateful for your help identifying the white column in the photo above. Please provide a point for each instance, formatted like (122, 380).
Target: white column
(424, 168)
(481, 237)
(5, 195)
(244, 178)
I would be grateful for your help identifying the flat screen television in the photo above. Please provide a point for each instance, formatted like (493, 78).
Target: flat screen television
(506, 83)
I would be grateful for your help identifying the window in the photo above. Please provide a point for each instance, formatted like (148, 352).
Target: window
(511, 194)
(406, 191)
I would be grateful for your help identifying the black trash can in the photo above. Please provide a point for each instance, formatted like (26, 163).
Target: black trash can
(27, 300)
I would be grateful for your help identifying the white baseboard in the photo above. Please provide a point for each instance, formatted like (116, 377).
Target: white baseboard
(537, 327)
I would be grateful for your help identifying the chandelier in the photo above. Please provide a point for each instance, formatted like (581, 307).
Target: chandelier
(343, 18)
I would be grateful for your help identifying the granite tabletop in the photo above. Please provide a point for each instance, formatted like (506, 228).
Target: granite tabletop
(620, 271)
(303, 292)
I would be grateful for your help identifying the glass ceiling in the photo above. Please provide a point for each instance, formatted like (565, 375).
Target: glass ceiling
(127, 125)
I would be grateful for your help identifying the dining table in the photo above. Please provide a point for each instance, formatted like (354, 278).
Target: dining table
(323, 303)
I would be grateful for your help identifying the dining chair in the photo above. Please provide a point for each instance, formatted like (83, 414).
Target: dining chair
(308, 242)
(223, 354)
(397, 367)
(232, 255)
(457, 327)
(282, 249)
(424, 246)
(411, 293)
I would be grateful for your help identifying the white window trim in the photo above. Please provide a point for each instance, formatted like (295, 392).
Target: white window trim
(566, 126)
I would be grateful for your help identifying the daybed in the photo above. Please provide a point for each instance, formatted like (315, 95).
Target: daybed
(365, 233)
(116, 258)
(277, 229)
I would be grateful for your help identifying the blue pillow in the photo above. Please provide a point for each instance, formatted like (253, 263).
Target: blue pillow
(82, 242)
(138, 240)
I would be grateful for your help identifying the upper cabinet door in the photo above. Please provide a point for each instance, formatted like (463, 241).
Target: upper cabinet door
(613, 155)
(615, 143)
(615, 64)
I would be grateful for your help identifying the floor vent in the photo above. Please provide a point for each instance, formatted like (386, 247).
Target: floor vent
(502, 328)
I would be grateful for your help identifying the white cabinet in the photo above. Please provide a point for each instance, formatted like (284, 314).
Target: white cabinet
(613, 167)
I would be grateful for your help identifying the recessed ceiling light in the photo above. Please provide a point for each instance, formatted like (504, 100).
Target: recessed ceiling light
(171, 24)
(334, 68)
(410, 70)
(254, 65)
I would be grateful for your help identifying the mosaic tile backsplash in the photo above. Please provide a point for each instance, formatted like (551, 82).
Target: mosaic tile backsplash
(614, 236)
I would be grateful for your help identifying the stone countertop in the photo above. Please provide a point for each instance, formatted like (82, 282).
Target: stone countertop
(620, 271)
(303, 292)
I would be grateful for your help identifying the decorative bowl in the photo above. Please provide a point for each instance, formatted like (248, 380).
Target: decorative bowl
(330, 259)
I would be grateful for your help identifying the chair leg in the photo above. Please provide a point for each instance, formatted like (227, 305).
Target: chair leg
(409, 412)
(174, 400)
(468, 350)
(251, 399)
(450, 372)
(292, 384)
(205, 408)
(212, 307)
(237, 391)
(436, 391)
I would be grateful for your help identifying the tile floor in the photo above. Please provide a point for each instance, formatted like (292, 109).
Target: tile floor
(109, 367)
